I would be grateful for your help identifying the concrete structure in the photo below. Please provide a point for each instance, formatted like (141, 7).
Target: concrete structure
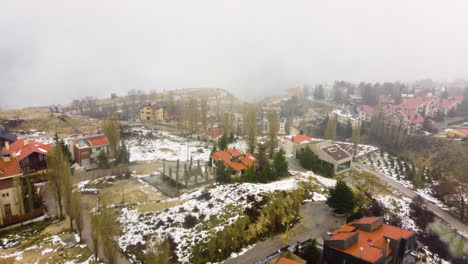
(86, 149)
(326, 150)
(368, 240)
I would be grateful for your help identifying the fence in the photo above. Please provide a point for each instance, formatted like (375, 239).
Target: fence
(12, 220)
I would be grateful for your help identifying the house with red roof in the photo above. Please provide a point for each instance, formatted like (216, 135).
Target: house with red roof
(31, 155)
(366, 113)
(211, 133)
(369, 240)
(233, 159)
(86, 149)
(11, 202)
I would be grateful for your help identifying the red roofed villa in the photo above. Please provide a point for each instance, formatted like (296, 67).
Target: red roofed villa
(85, 149)
(369, 240)
(31, 155)
(233, 159)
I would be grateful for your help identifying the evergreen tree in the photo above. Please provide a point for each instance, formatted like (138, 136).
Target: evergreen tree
(223, 142)
(341, 198)
(280, 164)
(103, 161)
(223, 175)
(261, 156)
(307, 159)
(124, 154)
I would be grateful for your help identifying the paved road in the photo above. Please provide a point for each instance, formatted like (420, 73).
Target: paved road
(455, 223)
(317, 220)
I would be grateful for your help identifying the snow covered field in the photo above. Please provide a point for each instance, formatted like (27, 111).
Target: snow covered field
(213, 209)
(164, 146)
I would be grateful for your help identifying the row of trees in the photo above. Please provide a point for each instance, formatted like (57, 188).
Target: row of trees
(278, 214)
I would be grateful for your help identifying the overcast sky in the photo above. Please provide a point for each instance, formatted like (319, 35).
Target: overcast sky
(54, 51)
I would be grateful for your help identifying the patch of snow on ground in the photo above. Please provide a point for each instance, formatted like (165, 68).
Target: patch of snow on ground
(236, 197)
(165, 146)
(47, 251)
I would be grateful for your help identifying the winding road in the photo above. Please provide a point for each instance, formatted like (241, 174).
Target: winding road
(454, 222)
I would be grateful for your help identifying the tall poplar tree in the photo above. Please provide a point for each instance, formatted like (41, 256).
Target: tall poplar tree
(273, 126)
(111, 128)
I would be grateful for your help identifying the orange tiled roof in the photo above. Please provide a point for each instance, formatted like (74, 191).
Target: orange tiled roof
(236, 153)
(98, 141)
(23, 151)
(463, 131)
(373, 244)
(226, 155)
(284, 260)
(9, 168)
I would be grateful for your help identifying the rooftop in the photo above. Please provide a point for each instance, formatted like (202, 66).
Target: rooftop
(9, 168)
(336, 152)
(369, 246)
(24, 148)
(226, 156)
(98, 141)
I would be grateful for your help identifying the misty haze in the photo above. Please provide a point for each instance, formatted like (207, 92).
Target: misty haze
(263, 132)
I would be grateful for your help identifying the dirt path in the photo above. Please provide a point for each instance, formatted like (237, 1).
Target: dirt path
(455, 223)
(317, 220)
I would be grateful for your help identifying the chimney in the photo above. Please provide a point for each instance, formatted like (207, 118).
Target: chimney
(13, 154)
(25, 142)
(388, 245)
(6, 158)
(7, 145)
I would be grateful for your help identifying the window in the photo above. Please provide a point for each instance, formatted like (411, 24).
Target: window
(7, 208)
(84, 153)
(98, 149)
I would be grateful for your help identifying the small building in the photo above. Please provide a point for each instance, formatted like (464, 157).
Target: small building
(366, 113)
(326, 150)
(11, 199)
(6, 136)
(152, 111)
(281, 126)
(86, 149)
(368, 240)
(31, 155)
(296, 91)
(237, 161)
(16, 192)
(346, 116)
(211, 134)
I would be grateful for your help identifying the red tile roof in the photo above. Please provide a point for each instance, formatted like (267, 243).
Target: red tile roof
(373, 244)
(413, 103)
(248, 160)
(9, 168)
(367, 109)
(463, 131)
(298, 139)
(367, 220)
(449, 103)
(234, 152)
(284, 260)
(226, 155)
(98, 141)
(23, 151)
(412, 116)
(213, 132)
